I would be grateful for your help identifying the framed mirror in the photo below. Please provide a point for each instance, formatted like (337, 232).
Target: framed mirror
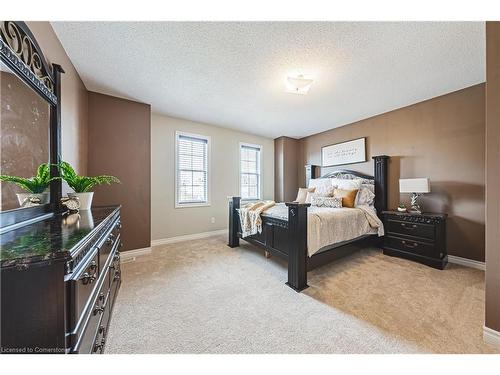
(30, 128)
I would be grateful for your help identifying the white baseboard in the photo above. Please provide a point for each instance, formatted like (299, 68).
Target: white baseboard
(467, 262)
(490, 336)
(188, 237)
(130, 254)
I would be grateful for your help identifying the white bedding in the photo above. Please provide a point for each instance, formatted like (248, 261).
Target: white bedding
(328, 226)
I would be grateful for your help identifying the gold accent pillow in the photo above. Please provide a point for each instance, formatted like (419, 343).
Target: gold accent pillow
(348, 197)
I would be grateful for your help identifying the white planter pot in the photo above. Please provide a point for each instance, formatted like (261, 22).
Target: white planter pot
(44, 197)
(85, 199)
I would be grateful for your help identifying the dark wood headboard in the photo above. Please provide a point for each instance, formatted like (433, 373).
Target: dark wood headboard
(379, 178)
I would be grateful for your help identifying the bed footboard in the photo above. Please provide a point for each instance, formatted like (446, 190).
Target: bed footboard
(293, 241)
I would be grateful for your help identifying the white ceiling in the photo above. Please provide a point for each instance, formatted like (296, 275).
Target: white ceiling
(232, 74)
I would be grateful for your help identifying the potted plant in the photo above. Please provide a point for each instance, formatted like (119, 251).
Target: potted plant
(82, 185)
(35, 186)
(402, 208)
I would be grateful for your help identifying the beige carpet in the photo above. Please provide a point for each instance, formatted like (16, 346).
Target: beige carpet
(204, 297)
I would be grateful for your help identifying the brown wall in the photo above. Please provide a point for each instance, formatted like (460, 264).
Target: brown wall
(443, 139)
(286, 165)
(119, 135)
(493, 175)
(73, 98)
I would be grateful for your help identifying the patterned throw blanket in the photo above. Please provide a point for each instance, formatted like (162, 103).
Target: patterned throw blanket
(250, 219)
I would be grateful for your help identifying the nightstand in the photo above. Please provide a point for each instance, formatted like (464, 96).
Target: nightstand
(418, 237)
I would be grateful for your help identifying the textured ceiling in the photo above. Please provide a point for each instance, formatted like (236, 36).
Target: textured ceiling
(232, 73)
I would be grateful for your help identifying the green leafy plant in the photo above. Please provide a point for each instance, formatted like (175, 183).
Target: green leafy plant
(36, 184)
(83, 184)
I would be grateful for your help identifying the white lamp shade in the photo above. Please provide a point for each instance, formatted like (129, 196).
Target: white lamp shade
(414, 185)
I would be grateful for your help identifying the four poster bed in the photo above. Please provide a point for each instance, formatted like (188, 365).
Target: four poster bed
(286, 236)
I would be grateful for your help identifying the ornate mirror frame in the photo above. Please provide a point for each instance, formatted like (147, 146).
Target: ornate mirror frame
(20, 51)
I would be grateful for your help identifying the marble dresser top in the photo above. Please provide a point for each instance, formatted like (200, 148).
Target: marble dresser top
(50, 239)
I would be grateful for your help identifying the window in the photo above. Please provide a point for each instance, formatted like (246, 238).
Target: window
(191, 159)
(250, 180)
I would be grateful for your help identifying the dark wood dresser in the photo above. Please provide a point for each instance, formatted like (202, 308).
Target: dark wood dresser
(418, 237)
(60, 278)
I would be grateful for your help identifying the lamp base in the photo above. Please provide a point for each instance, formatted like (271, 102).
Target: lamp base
(415, 208)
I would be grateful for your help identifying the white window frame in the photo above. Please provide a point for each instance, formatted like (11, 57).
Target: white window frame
(260, 170)
(200, 136)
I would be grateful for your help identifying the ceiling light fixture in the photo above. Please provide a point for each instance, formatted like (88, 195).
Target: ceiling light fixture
(298, 84)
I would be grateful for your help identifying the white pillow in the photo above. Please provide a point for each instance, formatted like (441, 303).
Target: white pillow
(302, 194)
(324, 191)
(320, 182)
(364, 197)
(347, 184)
(326, 194)
(370, 187)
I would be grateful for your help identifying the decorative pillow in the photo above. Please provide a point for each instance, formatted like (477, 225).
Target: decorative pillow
(302, 194)
(348, 197)
(331, 202)
(309, 197)
(321, 191)
(320, 183)
(347, 184)
(370, 187)
(325, 191)
(364, 197)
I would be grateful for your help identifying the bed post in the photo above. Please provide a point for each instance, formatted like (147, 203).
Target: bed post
(381, 187)
(297, 245)
(234, 205)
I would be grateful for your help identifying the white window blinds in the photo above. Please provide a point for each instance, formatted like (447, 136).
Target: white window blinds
(250, 171)
(192, 169)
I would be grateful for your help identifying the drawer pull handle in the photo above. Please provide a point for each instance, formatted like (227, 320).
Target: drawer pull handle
(99, 346)
(408, 227)
(119, 225)
(87, 278)
(102, 329)
(405, 244)
(91, 275)
(98, 310)
(110, 240)
(101, 296)
(92, 266)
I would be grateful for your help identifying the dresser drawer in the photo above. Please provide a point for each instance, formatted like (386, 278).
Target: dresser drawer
(415, 247)
(115, 278)
(411, 229)
(102, 329)
(82, 285)
(100, 340)
(106, 246)
(93, 315)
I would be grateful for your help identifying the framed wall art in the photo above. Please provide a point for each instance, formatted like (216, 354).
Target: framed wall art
(344, 153)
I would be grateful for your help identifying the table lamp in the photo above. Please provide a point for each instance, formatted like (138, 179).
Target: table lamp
(417, 187)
